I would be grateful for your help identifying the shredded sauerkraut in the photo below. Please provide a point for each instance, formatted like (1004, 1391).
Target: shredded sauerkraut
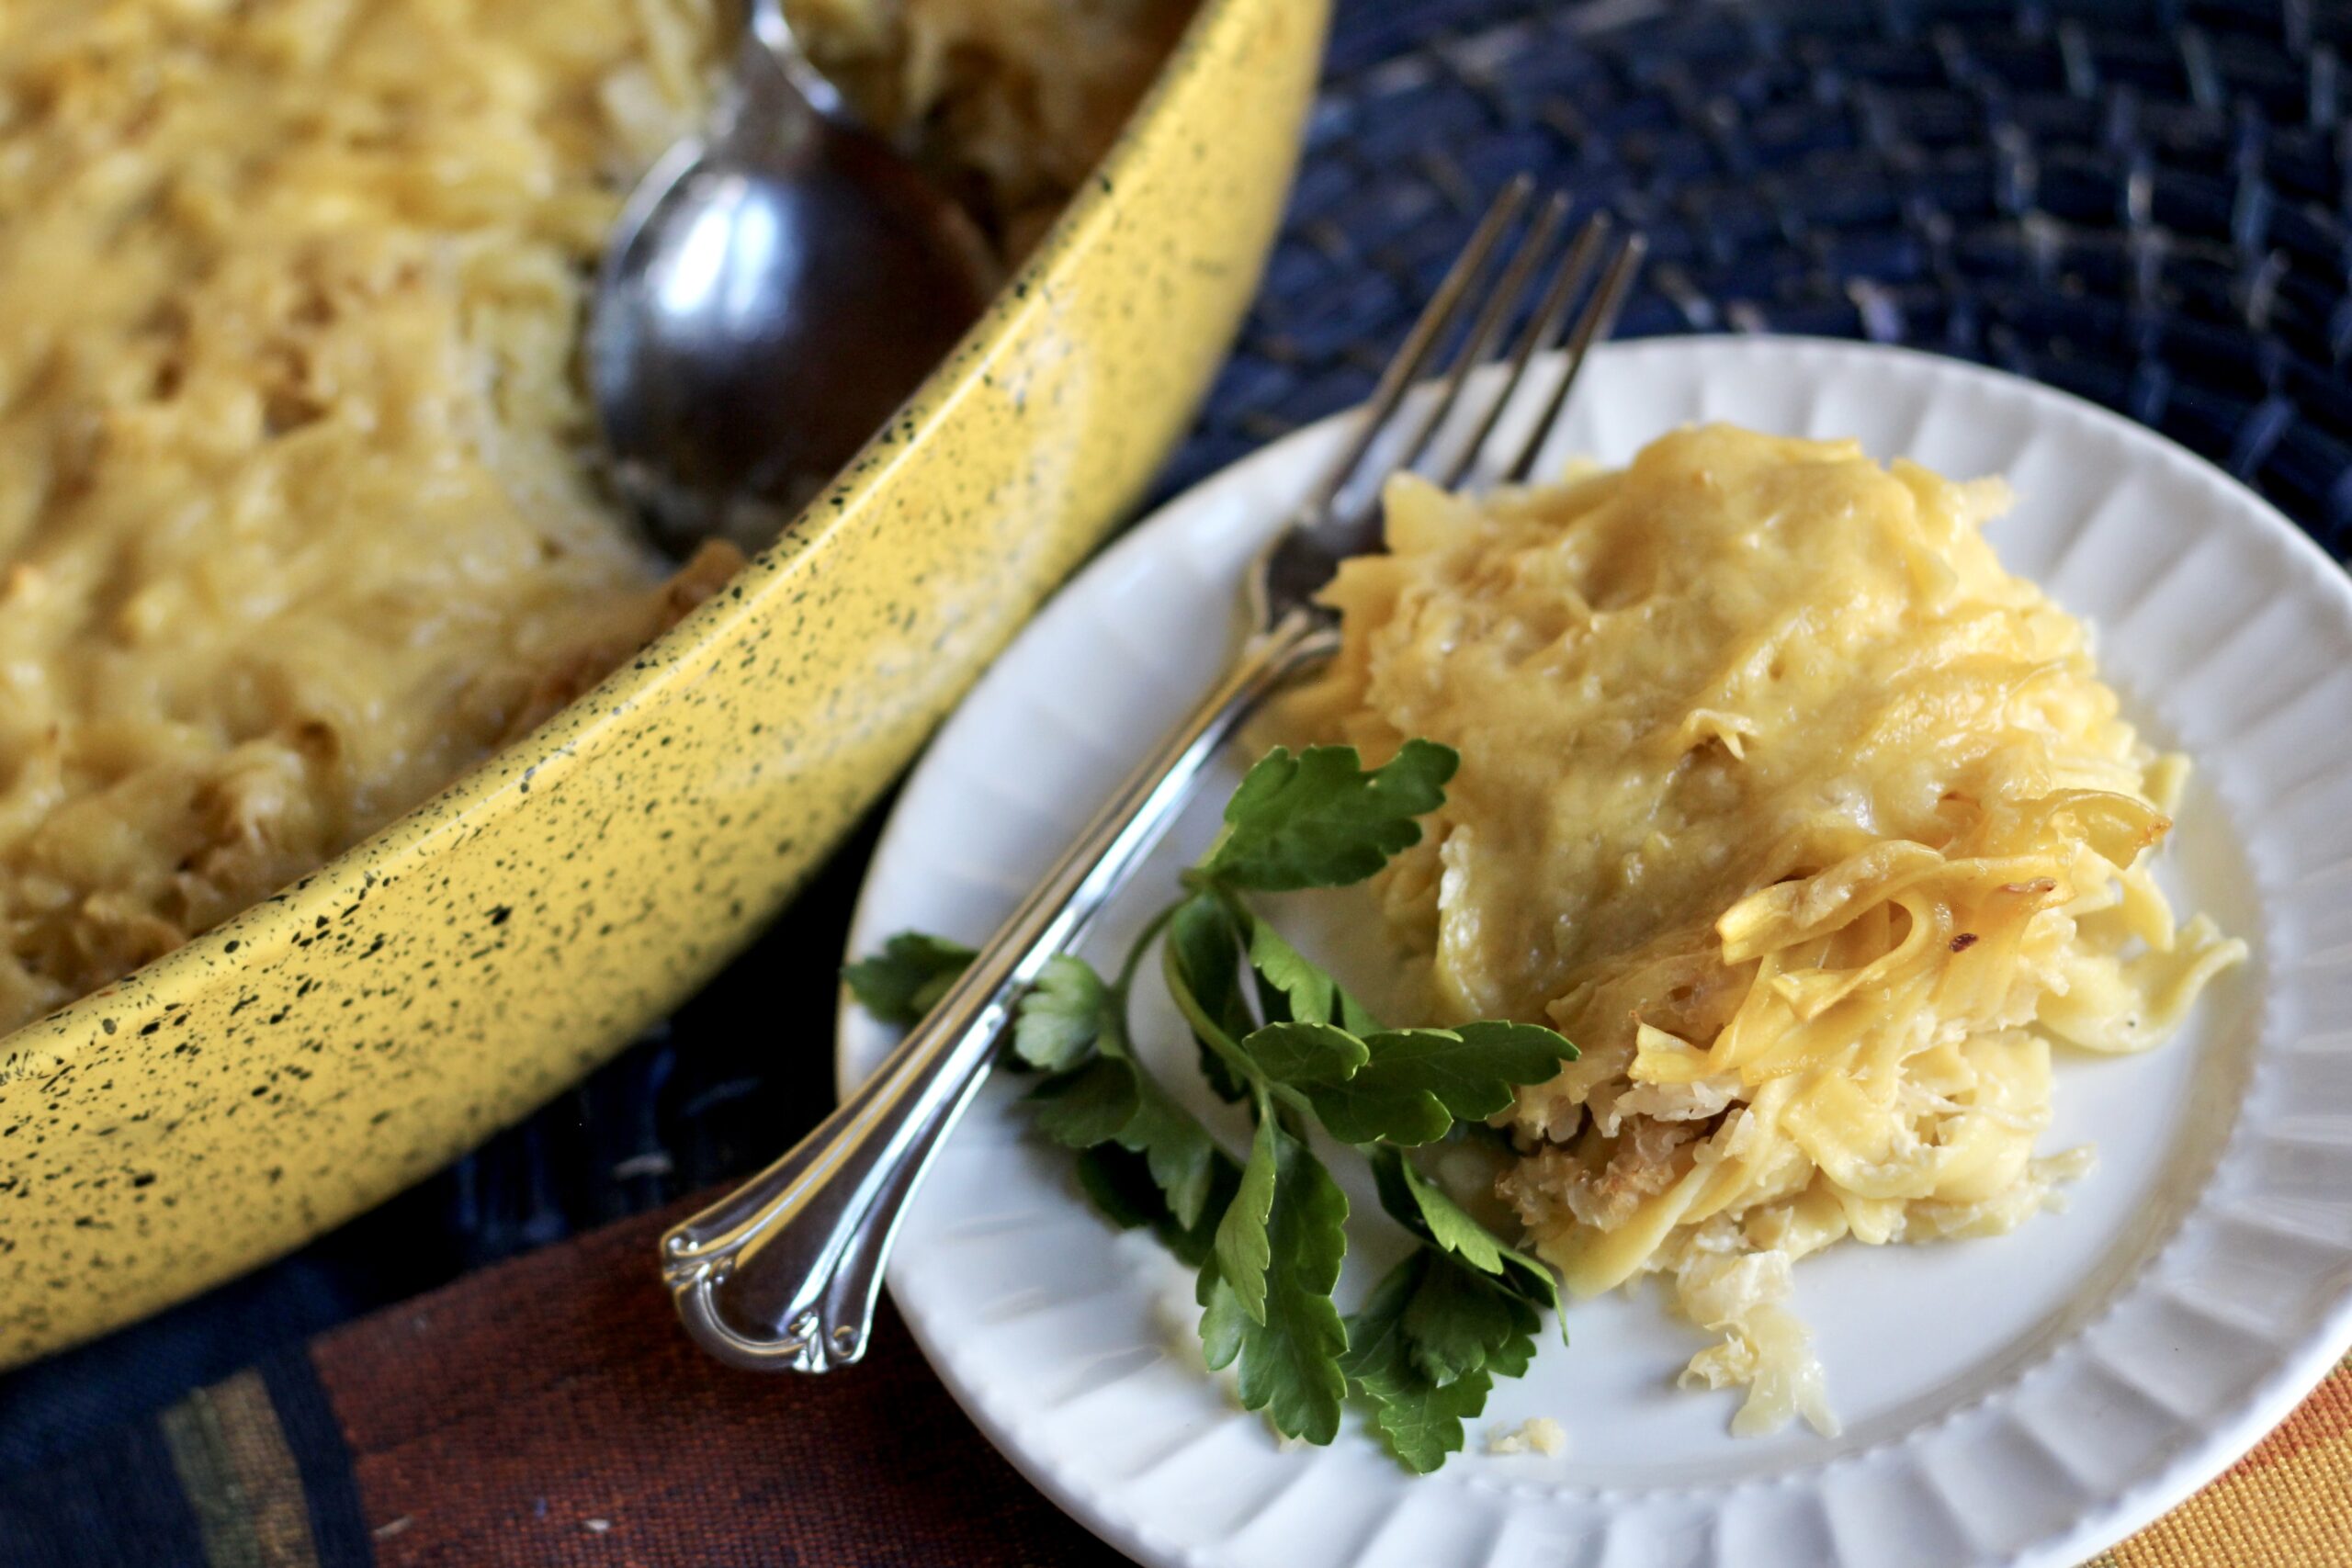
(1810, 825)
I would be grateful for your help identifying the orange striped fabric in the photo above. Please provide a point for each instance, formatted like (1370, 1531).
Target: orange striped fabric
(2286, 1505)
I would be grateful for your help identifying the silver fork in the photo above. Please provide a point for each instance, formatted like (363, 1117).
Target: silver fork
(784, 1272)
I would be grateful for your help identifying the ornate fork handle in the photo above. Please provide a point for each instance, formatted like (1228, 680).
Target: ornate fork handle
(799, 1249)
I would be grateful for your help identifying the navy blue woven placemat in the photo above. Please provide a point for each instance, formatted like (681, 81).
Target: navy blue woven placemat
(2150, 205)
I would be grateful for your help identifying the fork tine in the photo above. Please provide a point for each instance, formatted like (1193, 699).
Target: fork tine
(1598, 316)
(1492, 318)
(1405, 366)
(1542, 331)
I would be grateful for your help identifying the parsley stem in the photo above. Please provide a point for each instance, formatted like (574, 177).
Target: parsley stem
(1268, 1090)
(1133, 961)
(1121, 1019)
(1245, 919)
(1208, 1028)
(1179, 990)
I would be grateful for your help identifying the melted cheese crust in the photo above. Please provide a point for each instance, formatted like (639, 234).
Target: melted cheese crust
(1813, 828)
(295, 523)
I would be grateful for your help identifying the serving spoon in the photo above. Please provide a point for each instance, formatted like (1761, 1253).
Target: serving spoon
(771, 293)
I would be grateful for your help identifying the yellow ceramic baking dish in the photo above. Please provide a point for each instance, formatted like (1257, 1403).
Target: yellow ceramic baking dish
(346, 1037)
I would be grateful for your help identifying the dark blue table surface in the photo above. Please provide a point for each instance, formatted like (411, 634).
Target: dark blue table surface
(2146, 204)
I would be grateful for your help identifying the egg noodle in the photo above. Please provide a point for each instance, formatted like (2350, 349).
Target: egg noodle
(1812, 826)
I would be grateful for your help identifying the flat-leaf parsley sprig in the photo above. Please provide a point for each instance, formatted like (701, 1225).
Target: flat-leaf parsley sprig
(1278, 1036)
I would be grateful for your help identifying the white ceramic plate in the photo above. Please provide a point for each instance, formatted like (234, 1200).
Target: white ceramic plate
(2024, 1400)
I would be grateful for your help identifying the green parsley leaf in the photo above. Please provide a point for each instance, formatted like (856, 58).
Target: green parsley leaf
(905, 979)
(1122, 1185)
(1533, 1282)
(1305, 993)
(1293, 987)
(1063, 1015)
(1320, 820)
(1089, 1105)
(1416, 1418)
(1458, 1316)
(1122, 1188)
(1304, 1054)
(1183, 1159)
(1522, 1053)
(1204, 950)
(1419, 1080)
(1290, 1358)
(1513, 1356)
(1110, 1098)
(1244, 1247)
(1424, 1208)
(1421, 1422)
(1104, 1098)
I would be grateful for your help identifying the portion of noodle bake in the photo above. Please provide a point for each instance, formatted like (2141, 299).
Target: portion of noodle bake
(300, 507)
(1812, 826)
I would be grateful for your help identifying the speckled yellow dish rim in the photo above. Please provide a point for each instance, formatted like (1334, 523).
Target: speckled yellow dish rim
(332, 1045)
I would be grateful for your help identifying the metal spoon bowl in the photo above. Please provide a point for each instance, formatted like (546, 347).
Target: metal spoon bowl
(771, 292)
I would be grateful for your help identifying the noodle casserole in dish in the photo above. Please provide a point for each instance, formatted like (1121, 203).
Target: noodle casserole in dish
(302, 522)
